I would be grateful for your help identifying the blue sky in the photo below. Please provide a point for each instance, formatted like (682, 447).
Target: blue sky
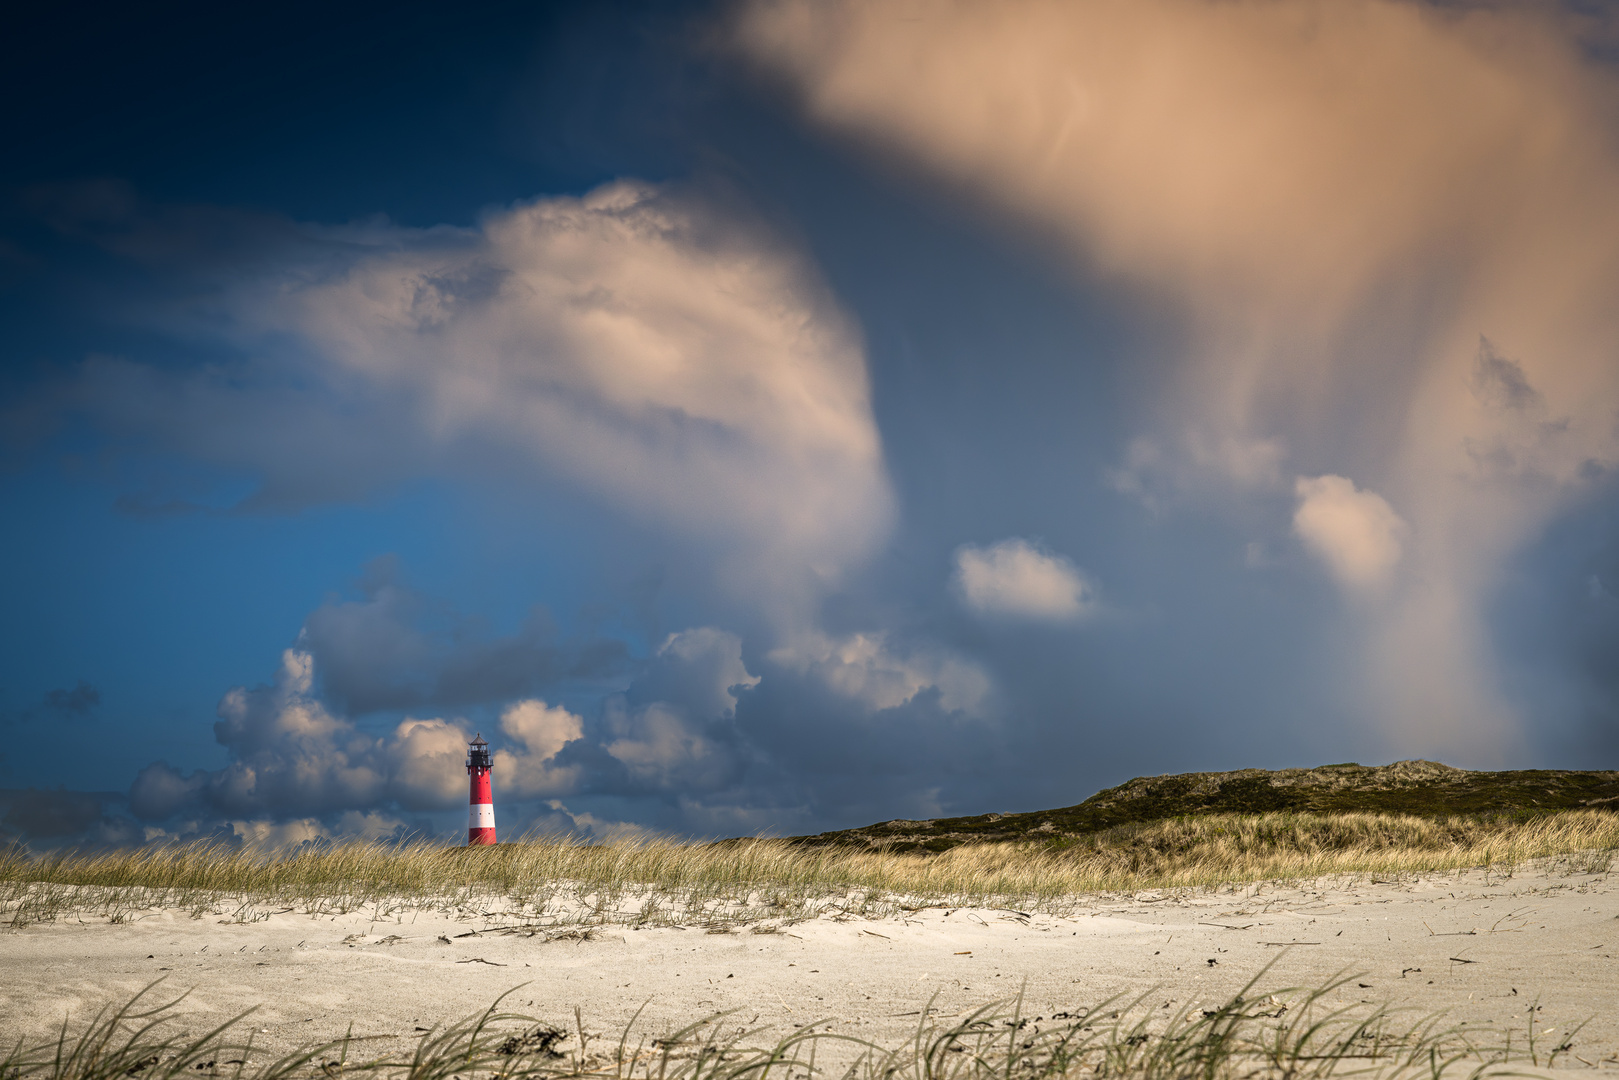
(780, 416)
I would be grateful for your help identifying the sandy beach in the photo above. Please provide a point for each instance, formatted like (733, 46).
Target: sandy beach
(1481, 946)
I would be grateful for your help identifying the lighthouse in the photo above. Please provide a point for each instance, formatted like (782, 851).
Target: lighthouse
(481, 815)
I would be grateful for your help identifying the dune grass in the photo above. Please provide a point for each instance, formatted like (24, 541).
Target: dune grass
(753, 880)
(1286, 1035)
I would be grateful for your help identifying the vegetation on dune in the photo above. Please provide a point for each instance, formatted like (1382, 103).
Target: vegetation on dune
(1414, 788)
(1290, 1034)
(752, 881)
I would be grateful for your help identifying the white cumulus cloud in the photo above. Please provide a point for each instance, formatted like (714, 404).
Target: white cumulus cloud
(872, 670)
(1355, 532)
(540, 731)
(1016, 578)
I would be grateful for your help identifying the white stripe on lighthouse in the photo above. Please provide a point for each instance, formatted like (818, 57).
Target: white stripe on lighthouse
(481, 816)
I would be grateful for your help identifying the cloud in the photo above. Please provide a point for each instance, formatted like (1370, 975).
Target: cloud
(701, 667)
(61, 704)
(642, 360)
(664, 747)
(673, 730)
(655, 352)
(78, 702)
(1500, 383)
(1162, 476)
(1339, 195)
(269, 834)
(394, 648)
(876, 672)
(541, 732)
(1356, 533)
(425, 764)
(292, 757)
(1015, 578)
(671, 750)
(47, 815)
(299, 771)
(868, 732)
(661, 356)
(798, 743)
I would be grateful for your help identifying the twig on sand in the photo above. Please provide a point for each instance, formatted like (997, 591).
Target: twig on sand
(1450, 933)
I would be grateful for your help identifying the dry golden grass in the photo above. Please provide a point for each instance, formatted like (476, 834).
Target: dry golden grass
(753, 880)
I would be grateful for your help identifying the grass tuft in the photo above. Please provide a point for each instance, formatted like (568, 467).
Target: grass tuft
(1288, 1035)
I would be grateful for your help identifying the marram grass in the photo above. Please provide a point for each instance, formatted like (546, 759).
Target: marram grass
(751, 880)
(1287, 1035)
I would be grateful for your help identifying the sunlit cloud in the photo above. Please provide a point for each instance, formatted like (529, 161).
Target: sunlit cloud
(1356, 533)
(1339, 196)
(666, 358)
(1016, 578)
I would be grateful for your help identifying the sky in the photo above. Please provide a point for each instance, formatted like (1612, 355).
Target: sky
(773, 416)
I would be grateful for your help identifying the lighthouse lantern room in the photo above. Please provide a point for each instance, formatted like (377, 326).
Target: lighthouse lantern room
(481, 814)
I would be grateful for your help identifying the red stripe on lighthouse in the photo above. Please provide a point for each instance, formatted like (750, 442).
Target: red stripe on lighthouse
(481, 813)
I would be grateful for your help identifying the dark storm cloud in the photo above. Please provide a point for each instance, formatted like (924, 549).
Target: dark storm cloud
(74, 703)
(1500, 382)
(196, 241)
(50, 814)
(915, 759)
(1596, 647)
(395, 649)
(267, 439)
(266, 443)
(53, 818)
(77, 702)
(702, 743)
(1563, 632)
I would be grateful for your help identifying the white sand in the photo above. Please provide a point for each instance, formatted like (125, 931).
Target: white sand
(1478, 945)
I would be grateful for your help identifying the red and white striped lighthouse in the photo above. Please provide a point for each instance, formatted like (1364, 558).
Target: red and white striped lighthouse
(481, 815)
